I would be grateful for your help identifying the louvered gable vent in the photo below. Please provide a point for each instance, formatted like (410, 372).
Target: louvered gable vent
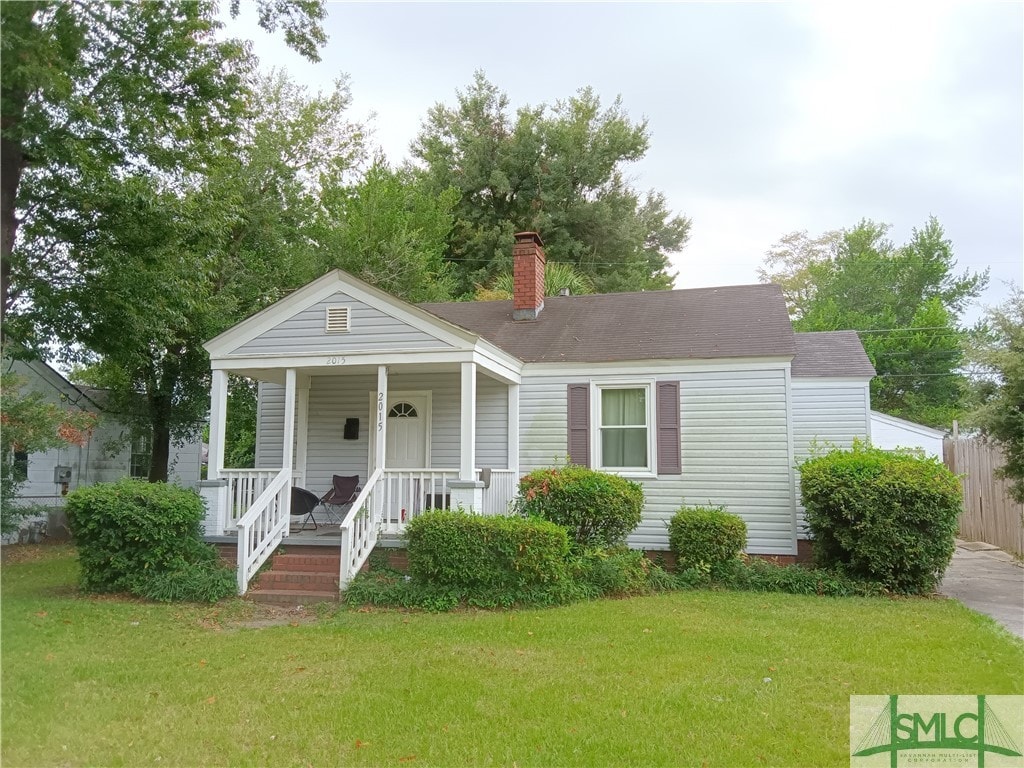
(337, 320)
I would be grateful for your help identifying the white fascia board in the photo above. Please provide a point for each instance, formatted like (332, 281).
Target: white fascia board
(324, 287)
(498, 362)
(642, 367)
(823, 382)
(320, 362)
(911, 426)
(339, 362)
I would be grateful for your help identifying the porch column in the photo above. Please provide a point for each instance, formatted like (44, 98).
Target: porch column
(380, 418)
(513, 427)
(288, 448)
(218, 424)
(467, 491)
(301, 429)
(214, 490)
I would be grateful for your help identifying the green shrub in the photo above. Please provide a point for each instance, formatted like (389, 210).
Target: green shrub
(195, 583)
(759, 575)
(144, 538)
(458, 550)
(597, 508)
(619, 572)
(883, 516)
(397, 590)
(705, 538)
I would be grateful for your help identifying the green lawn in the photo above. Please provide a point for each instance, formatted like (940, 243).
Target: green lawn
(676, 679)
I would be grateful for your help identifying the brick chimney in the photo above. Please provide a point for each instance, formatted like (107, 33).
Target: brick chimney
(528, 262)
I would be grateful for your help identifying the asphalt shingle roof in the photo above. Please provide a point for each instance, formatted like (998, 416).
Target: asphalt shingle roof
(830, 353)
(695, 323)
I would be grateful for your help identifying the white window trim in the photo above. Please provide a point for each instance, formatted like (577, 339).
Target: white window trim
(597, 460)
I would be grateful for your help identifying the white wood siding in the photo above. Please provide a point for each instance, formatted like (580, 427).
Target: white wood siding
(371, 329)
(332, 399)
(831, 412)
(734, 441)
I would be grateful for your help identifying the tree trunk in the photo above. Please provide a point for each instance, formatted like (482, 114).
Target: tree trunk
(12, 165)
(161, 453)
(18, 22)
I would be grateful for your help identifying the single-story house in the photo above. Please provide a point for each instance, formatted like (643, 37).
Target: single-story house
(108, 455)
(701, 395)
(890, 432)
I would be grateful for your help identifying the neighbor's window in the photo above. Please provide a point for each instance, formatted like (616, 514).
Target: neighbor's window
(20, 466)
(624, 425)
(141, 454)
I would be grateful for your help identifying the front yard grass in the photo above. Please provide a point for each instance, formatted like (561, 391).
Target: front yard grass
(691, 678)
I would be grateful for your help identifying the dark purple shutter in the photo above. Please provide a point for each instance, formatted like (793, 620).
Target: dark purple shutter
(579, 424)
(669, 460)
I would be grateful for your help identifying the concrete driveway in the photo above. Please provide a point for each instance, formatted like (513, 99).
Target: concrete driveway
(989, 581)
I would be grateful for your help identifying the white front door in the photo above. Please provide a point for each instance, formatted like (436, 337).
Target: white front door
(408, 431)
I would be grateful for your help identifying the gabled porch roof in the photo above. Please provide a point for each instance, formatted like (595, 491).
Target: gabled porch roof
(259, 346)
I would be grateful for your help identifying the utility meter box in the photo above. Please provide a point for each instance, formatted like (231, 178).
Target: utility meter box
(61, 475)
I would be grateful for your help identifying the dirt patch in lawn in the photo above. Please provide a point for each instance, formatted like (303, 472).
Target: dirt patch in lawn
(27, 553)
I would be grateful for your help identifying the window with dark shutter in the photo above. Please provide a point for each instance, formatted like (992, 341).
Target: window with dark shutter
(669, 459)
(579, 424)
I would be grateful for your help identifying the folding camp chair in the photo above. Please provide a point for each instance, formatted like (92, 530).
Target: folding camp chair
(344, 491)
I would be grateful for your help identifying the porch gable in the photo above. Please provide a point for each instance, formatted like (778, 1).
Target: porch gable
(370, 321)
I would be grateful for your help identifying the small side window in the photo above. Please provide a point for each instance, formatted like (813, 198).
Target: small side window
(20, 467)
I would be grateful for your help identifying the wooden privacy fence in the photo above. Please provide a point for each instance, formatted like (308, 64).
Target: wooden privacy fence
(989, 513)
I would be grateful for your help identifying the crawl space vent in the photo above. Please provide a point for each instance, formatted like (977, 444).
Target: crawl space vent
(337, 320)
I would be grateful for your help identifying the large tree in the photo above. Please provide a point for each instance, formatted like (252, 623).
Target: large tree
(996, 351)
(558, 169)
(91, 91)
(167, 267)
(906, 301)
(390, 229)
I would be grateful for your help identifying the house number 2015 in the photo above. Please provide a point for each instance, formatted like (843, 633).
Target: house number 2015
(335, 360)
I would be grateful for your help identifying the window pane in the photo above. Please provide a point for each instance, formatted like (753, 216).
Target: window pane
(623, 407)
(624, 447)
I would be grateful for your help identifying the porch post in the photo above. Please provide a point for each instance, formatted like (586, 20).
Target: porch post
(218, 423)
(288, 448)
(513, 427)
(380, 418)
(467, 491)
(214, 490)
(301, 429)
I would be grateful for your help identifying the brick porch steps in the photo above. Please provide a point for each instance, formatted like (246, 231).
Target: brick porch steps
(298, 579)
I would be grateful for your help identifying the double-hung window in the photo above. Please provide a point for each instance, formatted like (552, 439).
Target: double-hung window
(624, 427)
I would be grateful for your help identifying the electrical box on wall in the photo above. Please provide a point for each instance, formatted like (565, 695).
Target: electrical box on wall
(61, 475)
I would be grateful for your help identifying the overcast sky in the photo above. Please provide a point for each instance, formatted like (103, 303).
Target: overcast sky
(764, 118)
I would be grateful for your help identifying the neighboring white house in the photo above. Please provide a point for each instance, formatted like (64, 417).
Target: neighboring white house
(890, 432)
(50, 475)
(693, 393)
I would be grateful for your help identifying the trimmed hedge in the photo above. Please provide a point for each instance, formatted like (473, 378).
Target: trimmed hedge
(458, 550)
(885, 516)
(598, 509)
(145, 538)
(706, 537)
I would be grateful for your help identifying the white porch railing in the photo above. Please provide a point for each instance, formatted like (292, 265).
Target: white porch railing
(406, 493)
(244, 487)
(503, 488)
(263, 526)
(360, 528)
